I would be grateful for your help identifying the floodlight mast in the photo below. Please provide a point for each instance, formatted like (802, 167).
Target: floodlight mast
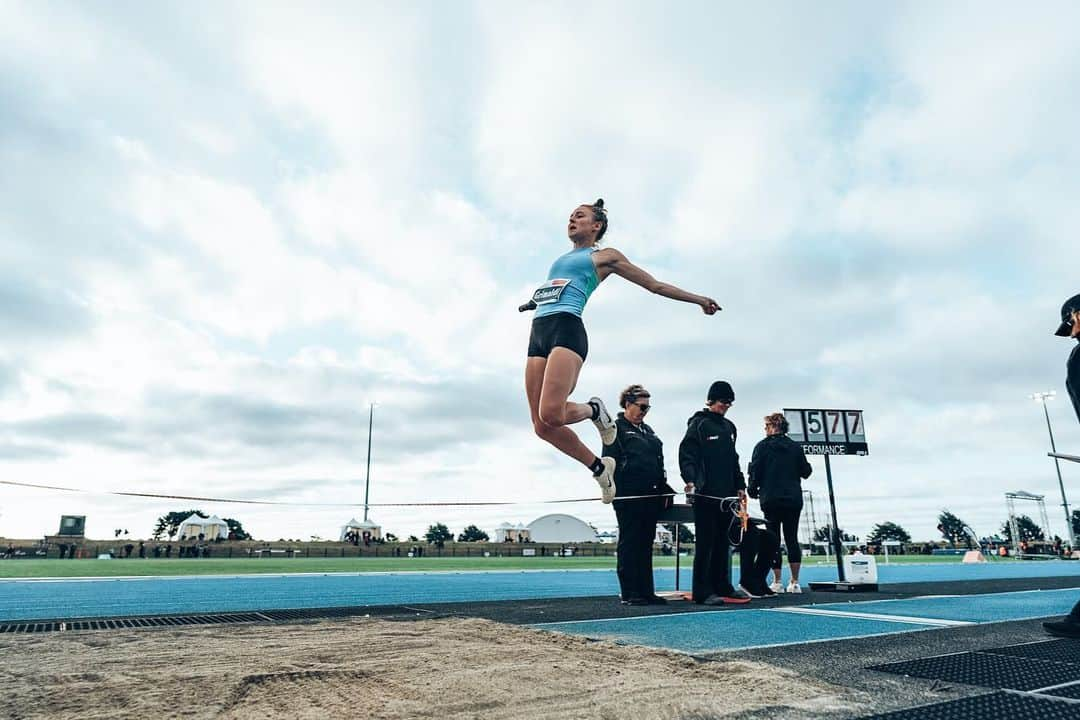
(367, 480)
(1043, 397)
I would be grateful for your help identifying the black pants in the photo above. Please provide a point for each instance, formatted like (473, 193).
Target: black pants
(637, 531)
(712, 549)
(783, 517)
(756, 553)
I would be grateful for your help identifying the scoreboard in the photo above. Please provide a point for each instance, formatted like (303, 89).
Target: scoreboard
(828, 432)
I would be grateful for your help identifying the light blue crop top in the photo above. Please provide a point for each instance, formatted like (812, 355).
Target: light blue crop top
(570, 282)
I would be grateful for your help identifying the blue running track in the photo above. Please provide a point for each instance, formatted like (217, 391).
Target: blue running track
(114, 597)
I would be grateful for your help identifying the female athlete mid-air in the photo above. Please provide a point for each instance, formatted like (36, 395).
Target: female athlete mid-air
(558, 344)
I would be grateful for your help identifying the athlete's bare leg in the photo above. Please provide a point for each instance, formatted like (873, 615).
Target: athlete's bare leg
(548, 383)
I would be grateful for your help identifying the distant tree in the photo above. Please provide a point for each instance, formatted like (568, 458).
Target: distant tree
(472, 534)
(686, 535)
(952, 528)
(824, 534)
(413, 538)
(390, 537)
(169, 524)
(438, 534)
(1027, 528)
(888, 531)
(236, 529)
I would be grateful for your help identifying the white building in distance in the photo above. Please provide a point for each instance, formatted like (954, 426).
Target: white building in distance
(559, 528)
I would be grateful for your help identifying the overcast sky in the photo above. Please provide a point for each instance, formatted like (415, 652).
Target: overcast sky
(225, 229)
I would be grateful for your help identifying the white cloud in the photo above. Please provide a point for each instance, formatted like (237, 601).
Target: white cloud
(277, 217)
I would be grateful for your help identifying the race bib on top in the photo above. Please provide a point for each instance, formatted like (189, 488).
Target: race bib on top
(550, 292)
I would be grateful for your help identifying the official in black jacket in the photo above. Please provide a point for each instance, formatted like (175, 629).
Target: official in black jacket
(709, 466)
(1070, 328)
(777, 469)
(639, 470)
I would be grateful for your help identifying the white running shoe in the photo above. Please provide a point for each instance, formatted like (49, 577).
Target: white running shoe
(604, 422)
(776, 587)
(793, 587)
(752, 595)
(606, 480)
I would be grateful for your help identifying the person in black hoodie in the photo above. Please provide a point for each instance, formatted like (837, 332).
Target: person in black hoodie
(1069, 626)
(639, 471)
(709, 466)
(777, 469)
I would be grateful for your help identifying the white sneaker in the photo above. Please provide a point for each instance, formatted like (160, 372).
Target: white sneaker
(752, 595)
(606, 480)
(604, 422)
(776, 587)
(793, 587)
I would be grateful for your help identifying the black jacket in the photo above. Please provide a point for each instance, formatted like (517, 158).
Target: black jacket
(707, 456)
(776, 470)
(1072, 380)
(639, 459)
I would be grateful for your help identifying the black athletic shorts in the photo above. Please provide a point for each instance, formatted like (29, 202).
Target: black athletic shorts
(558, 330)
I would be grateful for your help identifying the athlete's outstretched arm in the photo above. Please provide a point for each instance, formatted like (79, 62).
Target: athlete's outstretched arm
(613, 261)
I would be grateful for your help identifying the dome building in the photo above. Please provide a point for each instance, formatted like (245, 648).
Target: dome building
(559, 528)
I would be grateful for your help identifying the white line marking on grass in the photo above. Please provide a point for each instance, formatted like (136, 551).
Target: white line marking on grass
(872, 616)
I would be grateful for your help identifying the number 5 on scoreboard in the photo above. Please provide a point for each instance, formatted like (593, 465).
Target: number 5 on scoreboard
(856, 431)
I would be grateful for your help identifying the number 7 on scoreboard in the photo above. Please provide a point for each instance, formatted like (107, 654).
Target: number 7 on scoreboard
(855, 430)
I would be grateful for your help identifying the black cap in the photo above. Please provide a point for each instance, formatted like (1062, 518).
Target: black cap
(720, 390)
(1071, 305)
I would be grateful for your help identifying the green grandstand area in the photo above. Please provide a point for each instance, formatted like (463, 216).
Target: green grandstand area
(149, 567)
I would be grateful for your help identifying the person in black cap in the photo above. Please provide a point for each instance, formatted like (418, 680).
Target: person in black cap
(709, 466)
(1070, 328)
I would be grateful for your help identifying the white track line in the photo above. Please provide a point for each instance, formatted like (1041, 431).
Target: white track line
(873, 616)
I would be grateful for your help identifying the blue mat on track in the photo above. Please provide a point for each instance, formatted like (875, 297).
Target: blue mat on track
(995, 607)
(732, 629)
(706, 632)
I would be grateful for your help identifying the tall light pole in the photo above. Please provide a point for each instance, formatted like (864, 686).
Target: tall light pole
(1043, 397)
(367, 481)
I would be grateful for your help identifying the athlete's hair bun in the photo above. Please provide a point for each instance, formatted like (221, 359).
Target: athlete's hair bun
(599, 204)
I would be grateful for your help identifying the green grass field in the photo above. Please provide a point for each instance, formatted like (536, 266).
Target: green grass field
(150, 567)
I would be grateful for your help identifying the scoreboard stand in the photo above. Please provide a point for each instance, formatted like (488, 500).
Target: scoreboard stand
(831, 432)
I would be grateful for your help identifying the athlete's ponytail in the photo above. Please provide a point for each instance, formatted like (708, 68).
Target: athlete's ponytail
(599, 214)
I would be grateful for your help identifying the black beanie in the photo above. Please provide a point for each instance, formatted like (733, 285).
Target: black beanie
(720, 390)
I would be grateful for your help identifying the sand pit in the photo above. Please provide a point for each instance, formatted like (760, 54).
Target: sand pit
(378, 668)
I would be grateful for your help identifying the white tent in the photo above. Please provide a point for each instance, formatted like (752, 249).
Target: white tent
(361, 526)
(512, 533)
(210, 528)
